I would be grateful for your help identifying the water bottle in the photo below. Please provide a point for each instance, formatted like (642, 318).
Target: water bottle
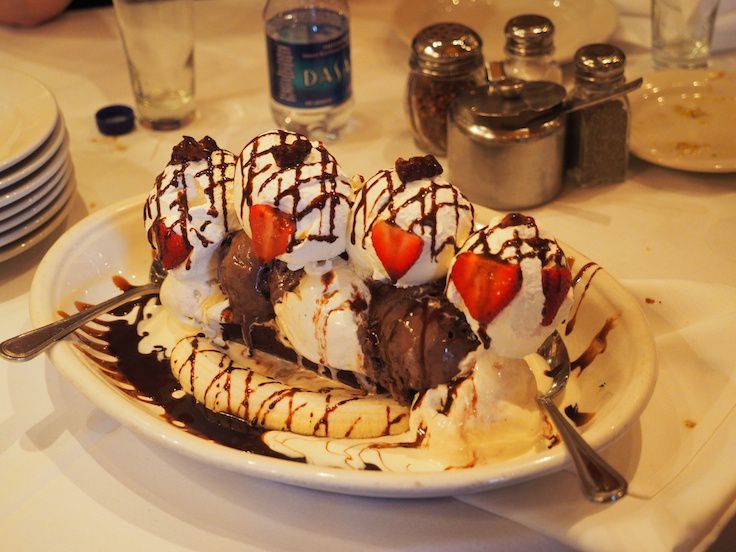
(308, 44)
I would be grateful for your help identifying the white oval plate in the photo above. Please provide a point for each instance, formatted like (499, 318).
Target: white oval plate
(27, 118)
(577, 22)
(112, 241)
(17, 231)
(686, 119)
(32, 182)
(38, 158)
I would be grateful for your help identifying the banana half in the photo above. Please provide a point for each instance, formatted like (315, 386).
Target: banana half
(224, 384)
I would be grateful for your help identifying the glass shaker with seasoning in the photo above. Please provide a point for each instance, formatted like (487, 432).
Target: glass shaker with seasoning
(446, 61)
(529, 49)
(597, 149)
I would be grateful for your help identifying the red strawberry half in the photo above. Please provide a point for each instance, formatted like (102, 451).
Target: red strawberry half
(556, 283)
(486, 284)
(172, 248)
(397, 249)
(271, 231)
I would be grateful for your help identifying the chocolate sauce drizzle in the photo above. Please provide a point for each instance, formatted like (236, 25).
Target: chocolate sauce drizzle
(386, 185)
(578, 418)
(570, 326)
(147, 378)
(291, 156)
(185, 153)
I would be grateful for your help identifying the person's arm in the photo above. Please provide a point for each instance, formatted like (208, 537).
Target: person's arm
(30, 12)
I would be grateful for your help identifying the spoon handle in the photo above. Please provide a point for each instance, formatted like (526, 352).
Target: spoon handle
(599, 481)
(30, 344)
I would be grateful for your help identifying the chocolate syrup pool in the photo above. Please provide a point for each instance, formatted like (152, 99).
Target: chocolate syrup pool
(152, 382)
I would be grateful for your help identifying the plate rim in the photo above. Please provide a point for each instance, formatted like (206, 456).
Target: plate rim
(31, 182)
(670, 162)
(343, 481)
(13, 75)
(41, 156)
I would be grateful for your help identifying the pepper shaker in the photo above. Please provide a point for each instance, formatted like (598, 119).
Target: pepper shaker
(446, 61)
(597, 150)
(529, 49)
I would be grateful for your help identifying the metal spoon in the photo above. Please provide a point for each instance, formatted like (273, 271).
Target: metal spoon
(599, 481)
(28, 345)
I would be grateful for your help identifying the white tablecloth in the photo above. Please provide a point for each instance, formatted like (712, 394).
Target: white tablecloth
(71, 476)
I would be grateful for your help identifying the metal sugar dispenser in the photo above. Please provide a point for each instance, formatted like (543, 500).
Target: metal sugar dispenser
(506, 143)
(529, 49)
(598, 136)
(446, 61)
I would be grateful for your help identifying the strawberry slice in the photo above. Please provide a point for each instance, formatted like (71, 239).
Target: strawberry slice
(556, 283)
(172, 248)
(486, 284)
(271, 231)
(397, 249)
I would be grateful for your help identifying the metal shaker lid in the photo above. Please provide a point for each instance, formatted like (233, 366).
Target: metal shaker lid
(599, 63)
(529, 35)
(446, 49)
(509, 104)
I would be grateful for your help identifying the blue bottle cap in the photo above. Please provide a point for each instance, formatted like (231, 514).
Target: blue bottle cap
(114, 120)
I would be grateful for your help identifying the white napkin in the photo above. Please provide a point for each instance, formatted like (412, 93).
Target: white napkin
(679, 459)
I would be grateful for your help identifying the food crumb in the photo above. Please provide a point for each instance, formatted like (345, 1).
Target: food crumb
(650, 301)
(692, 113)
(690, 424)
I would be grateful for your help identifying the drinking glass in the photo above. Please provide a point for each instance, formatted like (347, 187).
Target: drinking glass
(682, 32)
(158, 37)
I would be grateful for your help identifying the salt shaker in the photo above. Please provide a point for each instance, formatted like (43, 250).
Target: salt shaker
(446, 61)
(597, 149)
(530, 48)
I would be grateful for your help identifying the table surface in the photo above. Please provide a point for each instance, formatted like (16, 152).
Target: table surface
(71, 475)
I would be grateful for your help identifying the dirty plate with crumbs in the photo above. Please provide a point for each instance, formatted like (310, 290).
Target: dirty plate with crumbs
(686, 119)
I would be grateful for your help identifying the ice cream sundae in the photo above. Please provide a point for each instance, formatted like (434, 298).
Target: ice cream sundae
(400, 327)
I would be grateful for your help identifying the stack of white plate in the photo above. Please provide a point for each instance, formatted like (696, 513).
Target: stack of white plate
(36, 180)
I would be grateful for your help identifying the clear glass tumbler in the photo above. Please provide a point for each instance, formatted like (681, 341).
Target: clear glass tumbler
(682, 32)
(158, 36)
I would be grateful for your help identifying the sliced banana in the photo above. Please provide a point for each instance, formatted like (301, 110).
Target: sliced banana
(222, 384)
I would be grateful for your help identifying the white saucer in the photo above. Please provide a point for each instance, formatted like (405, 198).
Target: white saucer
(32, 201)
(53, 194)
(686, 119)
(37, 159)
(42, 232)
(577, 22)
(17, 232)
(39, 178)
(28, 116)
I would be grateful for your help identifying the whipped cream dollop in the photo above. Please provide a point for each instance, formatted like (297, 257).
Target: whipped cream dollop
(301, 179)
(187, 216)
(538, 294)
(414, 198)
(321, 317)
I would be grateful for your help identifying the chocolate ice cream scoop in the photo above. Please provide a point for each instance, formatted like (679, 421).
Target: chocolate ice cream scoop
(415, 339)
(245, 282)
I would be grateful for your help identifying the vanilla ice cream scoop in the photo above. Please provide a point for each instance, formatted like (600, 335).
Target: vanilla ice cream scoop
(321, 317)
(407, 224)
(294, 200)
(487, 412)
(187, 216)
(513, 284)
